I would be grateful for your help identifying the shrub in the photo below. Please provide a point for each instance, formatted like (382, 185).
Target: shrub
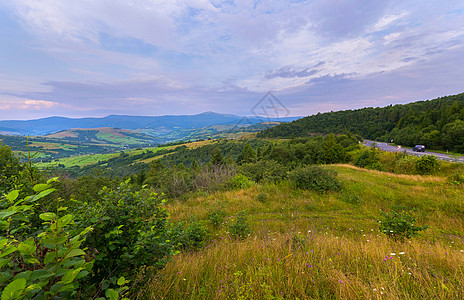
(369, 159)
(399, 226)
(240, 228)
(240, 181)
(264, 170)
(130, 231)
(426, 164)
(190, 236)
(44, 265)
(216, 217)
(315, 178)
(405, 165)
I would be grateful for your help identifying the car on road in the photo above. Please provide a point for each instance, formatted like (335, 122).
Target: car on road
(419, 148)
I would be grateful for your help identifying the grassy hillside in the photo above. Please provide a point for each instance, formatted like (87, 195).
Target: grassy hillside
(105, 135)
(323, 246)
(77, 142)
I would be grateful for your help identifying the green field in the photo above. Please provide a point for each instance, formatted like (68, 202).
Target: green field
(85, 160)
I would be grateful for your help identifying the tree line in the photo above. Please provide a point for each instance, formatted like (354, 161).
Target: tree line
(438, 124)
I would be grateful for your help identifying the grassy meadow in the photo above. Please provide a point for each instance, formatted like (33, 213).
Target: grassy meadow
(306, 245)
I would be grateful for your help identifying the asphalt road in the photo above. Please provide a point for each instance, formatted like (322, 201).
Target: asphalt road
(390, 148)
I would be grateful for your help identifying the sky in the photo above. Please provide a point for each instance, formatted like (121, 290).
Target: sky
(92, 58)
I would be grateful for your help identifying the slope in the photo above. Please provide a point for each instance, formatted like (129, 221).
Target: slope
(438, 123)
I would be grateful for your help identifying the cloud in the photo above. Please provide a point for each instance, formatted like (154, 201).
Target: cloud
(155, 56)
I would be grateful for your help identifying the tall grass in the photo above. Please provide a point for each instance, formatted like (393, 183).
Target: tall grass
(313, 266)
(305, 245)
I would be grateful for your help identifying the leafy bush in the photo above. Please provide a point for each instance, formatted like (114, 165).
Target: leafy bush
(240, 181)
(264, 170)
(190, 236)
(240, 228)
(426, 164)
(130, 231)
(45, 265)
(369, 159)
(315, 178)
(399, 226)
(405, 165)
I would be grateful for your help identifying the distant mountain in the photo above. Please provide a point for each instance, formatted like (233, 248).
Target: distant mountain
(156, 125)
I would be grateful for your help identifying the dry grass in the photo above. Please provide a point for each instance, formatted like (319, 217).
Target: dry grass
(313, 266)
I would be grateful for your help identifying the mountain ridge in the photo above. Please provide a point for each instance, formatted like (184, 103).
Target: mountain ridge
(50, 125)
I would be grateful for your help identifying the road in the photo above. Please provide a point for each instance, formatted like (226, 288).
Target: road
(390, 148)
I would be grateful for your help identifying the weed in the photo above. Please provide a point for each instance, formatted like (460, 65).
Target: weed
(399, 226)
(240, 228)
(263, 197)
(217, 217)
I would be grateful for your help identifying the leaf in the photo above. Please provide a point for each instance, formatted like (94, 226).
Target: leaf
(70, 275)
(40, 274)
(12, 195)
(47, 216)
(4, 262)
(32, 260)
(40, 187)
(54, 179)
(5, 214)
(33, 287)
(74, 252)
(14, 289)
(27, 247)
(65, 220)
(41, 195)
(121, 281)
(8, 250)
(111, 294)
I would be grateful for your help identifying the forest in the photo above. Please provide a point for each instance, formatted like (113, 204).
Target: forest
(437, 124)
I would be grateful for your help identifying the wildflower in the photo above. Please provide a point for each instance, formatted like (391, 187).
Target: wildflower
(340, 281)
(401, 253)
(393, 253)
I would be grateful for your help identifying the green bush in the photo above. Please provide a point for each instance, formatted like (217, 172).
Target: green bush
(369, 159)
(216, 217)
(405, 165)
(130, 231)
(264, 170)
(399, 226)
(45, 265)
(239, 181)
(426, 164)
(191, 235)
(240, 228)
(315, 178)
